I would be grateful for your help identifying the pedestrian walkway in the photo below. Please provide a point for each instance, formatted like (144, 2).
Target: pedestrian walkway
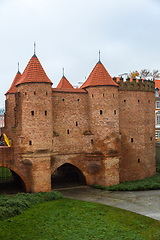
(146, 203)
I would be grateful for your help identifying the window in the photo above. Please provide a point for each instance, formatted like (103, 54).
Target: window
(138, 100)
(101, 112)
(92, 95)
(113, 94)
(46, 93)
(158, 119)
(158, 134)
(34, 93)
(103, 94)
(30, 143)
(78, 100)
(63, 99)
(124, 100)
(131, 139)
(115, 112)
(32, 113)
(68, 131)
(138, 160)
(151, 138)
(158, 104)
(76, 123)
(92, 141)
(45, 113)
(25, 93)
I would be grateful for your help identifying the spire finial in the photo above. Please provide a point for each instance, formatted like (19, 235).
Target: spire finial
(34, 49)
(18, 68)
(99, 55)
(63, 71)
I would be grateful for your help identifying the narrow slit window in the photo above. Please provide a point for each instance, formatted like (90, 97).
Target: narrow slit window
(32, 113)
(45, 113)
(139, 160)
(151, 138)
(78, 99)
(25, 93)
(114, 112)
(92, 95)
(92, 141)
(30, 143)
(46, 93)
(113, 94)
(138, 100)
(103, 94)
(101, 112)
(76, 123)
(68, 131)
(124, 100)
(34, 93)
(132, 140)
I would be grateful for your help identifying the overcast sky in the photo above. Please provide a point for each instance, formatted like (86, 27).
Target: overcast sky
(70, 33)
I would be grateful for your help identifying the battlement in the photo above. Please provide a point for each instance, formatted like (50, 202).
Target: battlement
(133, 84)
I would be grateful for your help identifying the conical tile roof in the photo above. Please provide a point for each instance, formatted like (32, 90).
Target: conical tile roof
(34, 73)
(12, 88)
(64, 83)
(99, 77)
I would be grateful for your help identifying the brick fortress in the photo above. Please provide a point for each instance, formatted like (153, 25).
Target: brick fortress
(105, 129)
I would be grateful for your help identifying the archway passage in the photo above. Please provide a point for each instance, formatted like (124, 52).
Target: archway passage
(10, 182)
(67, 175)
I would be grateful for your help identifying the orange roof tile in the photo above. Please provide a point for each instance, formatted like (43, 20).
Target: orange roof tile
(99, 77)
(34, 73)
(12, 88)
(157, 83)
(64, 83)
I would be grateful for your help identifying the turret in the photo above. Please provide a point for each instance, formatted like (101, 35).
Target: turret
(34, 108)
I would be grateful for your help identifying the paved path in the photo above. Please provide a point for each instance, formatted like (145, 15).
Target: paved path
(143, 202)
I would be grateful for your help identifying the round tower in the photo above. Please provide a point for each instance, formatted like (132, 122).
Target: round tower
(33, 127)
(104, 120)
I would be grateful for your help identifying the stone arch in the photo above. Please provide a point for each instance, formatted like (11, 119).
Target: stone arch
(23, 178)
(69, 173)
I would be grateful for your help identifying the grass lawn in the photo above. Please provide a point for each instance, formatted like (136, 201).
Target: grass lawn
(67, 219)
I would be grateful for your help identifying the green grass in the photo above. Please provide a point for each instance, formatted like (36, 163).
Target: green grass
(67, 219)
(14, 205)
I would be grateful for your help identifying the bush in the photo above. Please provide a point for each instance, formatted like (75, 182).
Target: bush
(14, 205)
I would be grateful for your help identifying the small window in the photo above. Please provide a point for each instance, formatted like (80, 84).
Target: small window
(63, 99)
(25, 93)
(78, 100)
(131, 139)
(68, 131)
(92, 141)
(103, 94)
(76, 123)
(34, 93)
(138, 100)
(149, 101)
(151, 138)
(138, 160)
(32, 113)
(124, 100)
(45, 113)
(46, 93)
(101, 112)
(114, 112)
(158, 104)
(92, 95)
(30, 143)
(113, 94)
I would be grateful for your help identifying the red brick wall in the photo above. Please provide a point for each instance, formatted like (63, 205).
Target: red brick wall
(136, 110)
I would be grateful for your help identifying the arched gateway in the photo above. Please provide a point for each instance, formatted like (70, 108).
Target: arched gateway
(67, 175)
